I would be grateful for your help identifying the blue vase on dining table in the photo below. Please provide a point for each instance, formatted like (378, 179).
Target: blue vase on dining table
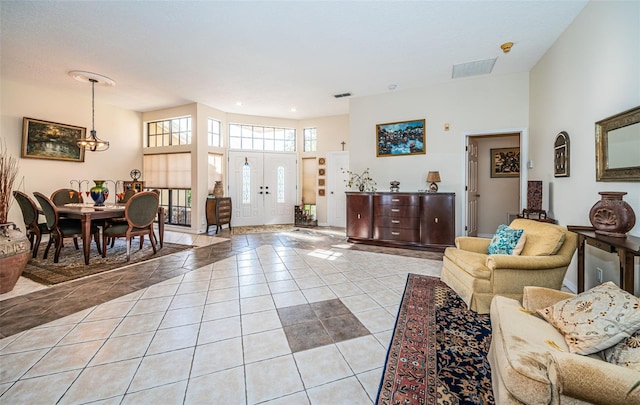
(99, 193)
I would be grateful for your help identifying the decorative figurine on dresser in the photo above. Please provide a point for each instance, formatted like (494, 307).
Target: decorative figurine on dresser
(218, 211)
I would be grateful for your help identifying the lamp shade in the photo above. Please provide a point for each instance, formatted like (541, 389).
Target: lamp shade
(433, 177)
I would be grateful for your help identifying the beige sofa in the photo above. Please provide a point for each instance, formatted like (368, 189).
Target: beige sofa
(477, 276)
(526, 368)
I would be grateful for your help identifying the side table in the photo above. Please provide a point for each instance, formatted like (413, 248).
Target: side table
(218, 212)
(627, 249)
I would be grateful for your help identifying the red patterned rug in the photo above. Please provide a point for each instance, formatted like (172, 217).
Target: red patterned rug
(438, 354)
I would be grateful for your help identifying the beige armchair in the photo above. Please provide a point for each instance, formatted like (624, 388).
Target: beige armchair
(477, 276)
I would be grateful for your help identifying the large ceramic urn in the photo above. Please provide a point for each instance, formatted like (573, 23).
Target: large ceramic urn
(14, 255)
(612, 216)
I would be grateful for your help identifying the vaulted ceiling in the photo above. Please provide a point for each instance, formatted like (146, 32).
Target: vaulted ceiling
(271, 56)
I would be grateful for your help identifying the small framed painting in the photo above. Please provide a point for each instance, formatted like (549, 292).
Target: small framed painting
(321, 192)
(400, 138)
(321, 172)
(561, 155)
(51, 140)
(321, 182)
(505, 162)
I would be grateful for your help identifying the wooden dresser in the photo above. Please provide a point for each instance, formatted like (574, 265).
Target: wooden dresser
(414, 220)
(218, 211)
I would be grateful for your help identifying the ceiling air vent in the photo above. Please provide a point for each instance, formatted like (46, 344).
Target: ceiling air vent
(341, 95)
(480, 67)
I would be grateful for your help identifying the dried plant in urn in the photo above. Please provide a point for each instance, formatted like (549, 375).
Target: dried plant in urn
(14, 246)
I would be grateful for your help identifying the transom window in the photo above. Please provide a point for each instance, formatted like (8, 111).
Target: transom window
(310, 139)
(213, 132)
(250, 137)
(176, 131)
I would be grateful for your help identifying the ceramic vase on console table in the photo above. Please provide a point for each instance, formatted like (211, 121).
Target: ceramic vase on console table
(612, 216)
(99, 193)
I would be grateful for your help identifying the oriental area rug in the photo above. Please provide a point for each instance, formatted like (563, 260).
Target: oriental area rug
(438, 353)
(71, 264)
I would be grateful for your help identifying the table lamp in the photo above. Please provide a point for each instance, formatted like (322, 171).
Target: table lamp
(433, 178)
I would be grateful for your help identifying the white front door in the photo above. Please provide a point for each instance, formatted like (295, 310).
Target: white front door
(336, 198)
(262, 187)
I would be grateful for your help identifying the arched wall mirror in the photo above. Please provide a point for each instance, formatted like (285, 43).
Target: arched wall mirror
(618, 147)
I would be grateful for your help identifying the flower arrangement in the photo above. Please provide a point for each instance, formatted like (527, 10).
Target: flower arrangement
(363, 181)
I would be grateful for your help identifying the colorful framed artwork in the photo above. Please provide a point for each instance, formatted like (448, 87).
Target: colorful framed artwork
(400, 138)
(51, 140)
(505, 162)
(561, 155)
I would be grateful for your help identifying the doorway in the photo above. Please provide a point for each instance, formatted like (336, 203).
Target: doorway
(336, 197)
(263, 187)
(490, 201)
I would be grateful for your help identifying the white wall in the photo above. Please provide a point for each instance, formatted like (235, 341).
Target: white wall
(484, 104)
(118, 126)
(590, 73)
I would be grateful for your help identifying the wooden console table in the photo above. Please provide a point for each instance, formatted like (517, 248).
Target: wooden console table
(627, 249)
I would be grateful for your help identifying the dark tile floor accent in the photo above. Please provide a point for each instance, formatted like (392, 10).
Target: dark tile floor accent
(27, 311)
(308, 326)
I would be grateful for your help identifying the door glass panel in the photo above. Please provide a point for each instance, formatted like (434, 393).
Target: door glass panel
(280, 191)
(246, 184)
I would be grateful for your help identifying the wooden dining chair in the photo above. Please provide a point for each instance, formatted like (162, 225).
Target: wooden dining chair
(140, 212)
(30, 214)
(62, 228)
(66, 196)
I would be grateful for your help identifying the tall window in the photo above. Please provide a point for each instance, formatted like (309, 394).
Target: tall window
(214, 170)
(176, 131)
(246, 184)
(250, 137)
(280, 185)
(213, 132)
(310, 139)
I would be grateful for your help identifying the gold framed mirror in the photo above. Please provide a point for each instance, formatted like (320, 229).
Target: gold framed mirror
(618, 147)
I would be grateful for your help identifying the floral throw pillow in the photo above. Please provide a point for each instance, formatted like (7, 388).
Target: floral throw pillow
(506, 241)
(625, 353)
(596, 319)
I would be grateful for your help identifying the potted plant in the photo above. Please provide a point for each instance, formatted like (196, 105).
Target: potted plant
(14, 246)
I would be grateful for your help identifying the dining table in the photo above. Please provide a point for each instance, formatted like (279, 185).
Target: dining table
(87, 212)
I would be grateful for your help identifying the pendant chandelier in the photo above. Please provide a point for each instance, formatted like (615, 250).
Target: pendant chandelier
(92, 142)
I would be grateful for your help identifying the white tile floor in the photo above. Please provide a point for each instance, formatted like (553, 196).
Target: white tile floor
(213, 336)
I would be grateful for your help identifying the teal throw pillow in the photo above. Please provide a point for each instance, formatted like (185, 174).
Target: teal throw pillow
(505, 241)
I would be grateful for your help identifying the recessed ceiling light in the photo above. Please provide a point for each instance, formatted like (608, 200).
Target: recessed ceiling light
(293, 109)
(392, 86)
(239, 103)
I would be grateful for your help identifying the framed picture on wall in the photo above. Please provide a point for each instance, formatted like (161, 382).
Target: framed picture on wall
(400, 138)
(505, 162)
(51, 140)
(561, 155)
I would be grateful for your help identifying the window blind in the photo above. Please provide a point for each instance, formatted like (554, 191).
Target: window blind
(167, 170)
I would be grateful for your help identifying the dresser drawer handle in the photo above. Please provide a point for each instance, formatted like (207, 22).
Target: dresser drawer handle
(395, 233)
(395, 200)
(395, 221)
(395, 210)
(436, 220)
